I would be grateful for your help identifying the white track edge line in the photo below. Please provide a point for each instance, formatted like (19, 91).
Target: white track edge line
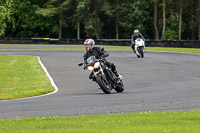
(51, 80)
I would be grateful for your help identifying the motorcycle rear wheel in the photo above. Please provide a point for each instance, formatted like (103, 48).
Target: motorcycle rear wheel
(105, 87)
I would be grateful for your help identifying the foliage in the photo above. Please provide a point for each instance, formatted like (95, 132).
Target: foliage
(96, 18)
(28, 24)
(170, 35)
(6, 10)
(135, 16)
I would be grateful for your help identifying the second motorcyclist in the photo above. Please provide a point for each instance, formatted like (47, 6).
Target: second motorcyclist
(136, 35)
(99, 53)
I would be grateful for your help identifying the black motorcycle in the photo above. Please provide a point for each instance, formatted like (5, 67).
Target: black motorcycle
(103, 75)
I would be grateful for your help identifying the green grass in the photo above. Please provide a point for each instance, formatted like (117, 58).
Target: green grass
(22, 76)
(166, 122)
(109, 48)
(181, 50)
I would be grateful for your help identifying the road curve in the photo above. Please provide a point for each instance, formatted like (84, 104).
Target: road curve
(158, 82)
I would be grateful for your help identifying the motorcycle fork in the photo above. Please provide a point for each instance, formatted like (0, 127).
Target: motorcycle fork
(137, 50)
(100, 70)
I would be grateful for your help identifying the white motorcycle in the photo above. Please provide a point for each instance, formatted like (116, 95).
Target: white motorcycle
(139, 47)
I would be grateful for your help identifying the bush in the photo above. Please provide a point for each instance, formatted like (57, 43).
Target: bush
(170, 35)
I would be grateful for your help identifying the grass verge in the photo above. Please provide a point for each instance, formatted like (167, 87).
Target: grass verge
(109, 48)
(179, 50)
(166, 122)
(22, 76)
(11, 84)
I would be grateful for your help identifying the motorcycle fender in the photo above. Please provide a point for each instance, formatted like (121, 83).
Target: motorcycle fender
(104, 77)
(136, 50)
(96, 74)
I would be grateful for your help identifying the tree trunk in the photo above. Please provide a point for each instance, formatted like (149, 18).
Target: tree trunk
(192, 19)
(164, 25)
(117, 27)
(78, 30)
(96, 21)
(155, 20)
(180, 20)
(60, 26)
(60, 20)
(96, 25)
(199, 19)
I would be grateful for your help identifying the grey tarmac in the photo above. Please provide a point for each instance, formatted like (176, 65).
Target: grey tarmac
(159, 82)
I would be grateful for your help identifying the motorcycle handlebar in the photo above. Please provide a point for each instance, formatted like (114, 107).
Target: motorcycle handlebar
(86, 65)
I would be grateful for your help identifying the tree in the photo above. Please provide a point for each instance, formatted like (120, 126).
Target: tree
(199, 19)
(26, 23)
(155, 21)
(107, 19)
(164, 24)
(116, 14)
(192, 18)
(6, 10)
(136, 15)
(55, 8)
(94, 10)
(80, 14)
(180, 19)
(79, 8)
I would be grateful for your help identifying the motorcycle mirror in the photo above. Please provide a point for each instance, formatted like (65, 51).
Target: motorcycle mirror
(80, 64)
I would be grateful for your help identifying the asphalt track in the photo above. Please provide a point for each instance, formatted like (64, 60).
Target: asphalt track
(159, 82)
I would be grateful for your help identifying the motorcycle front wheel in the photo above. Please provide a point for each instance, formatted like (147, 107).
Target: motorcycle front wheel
(119, 87)
(141, 51)
(104, 85)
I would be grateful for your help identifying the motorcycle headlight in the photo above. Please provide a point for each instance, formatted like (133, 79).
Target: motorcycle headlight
(90, 68)
(96, 65)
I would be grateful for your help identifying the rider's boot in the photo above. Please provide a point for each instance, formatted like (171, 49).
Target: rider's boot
(118, 75)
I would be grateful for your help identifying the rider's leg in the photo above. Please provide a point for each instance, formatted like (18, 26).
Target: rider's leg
(113, 67)
(133, 47)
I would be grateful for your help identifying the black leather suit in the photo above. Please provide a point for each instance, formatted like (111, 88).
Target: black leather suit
(98, 52)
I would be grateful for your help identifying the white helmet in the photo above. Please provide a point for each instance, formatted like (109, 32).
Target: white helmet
(136, 31)
(89, 44)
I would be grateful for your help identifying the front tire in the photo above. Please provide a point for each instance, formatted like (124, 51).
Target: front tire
(142, 52)
(120, 87)
(105, 87)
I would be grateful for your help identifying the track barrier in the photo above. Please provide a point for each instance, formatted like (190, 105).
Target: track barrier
(115, 42)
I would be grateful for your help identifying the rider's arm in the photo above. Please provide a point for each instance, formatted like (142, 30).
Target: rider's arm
(103, 53)
(132, 39)
(85, 59)
(142, 37)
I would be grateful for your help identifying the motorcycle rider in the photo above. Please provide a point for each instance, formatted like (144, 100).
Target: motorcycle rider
(99, 53)
(136, 35)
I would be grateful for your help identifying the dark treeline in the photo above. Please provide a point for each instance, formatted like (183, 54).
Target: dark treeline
(101, 19)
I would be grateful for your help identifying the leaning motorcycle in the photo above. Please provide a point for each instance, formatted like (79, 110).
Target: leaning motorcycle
(103, 75)
(139, 47)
